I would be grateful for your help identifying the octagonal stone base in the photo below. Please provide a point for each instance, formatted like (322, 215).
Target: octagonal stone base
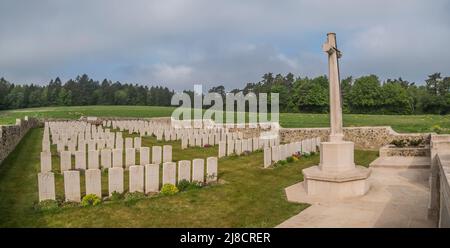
(343, 184)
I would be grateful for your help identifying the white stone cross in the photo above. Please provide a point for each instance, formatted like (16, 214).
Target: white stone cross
(335, 93)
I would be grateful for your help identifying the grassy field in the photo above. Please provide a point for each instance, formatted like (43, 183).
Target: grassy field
(248, 197)
(400, 123)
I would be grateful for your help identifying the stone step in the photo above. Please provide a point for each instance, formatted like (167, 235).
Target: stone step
(410, 162)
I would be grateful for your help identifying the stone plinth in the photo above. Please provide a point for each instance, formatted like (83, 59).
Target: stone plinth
(336, 176)
(336, 156)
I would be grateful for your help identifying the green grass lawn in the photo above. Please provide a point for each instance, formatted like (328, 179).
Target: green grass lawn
(248, 197)
(400, 123)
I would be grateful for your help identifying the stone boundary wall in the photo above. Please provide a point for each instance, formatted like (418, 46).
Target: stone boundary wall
(364, 137)
(444, 194)
(10, 135)
(439, 204)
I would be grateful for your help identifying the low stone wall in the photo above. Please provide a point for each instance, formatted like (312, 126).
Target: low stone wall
(11, 135)
(439, 205)
(364, 137)
(443, 202)
(391, 150)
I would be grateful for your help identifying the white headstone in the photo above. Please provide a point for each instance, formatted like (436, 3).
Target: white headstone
(211, 139)
(93, 178)
(137, 142)
(93, 162)
(230, 147)
(169, 173)
(222, 148)
(275, 153)
(156, 155)
(130, 157)
(238, 147)
(92, 145)
(115, 180)
(46, 161)
(136, 182)
(117, 158)
(72, 186)
(119, 142)
(198, 140)
(255, 143)
(211, 169)
(151, 178)
(46, 185)
(66, 161)
(80, 160)
(105, 160)
(198, 170)
(267, 157)
(144, 155)
(184, 170)
(128, 142)
(184, 142)
(167, 153)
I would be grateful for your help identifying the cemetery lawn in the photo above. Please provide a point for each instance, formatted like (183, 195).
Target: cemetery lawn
(400, 123)
(248, 196)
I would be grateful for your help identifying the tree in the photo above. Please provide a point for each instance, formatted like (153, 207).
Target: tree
(313, 95)
(396, 98)
(365, 95)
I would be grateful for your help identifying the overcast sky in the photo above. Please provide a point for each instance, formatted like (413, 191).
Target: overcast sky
(180, 43)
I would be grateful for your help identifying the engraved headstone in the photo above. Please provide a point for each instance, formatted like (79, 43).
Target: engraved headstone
(46, 186)
(169, 173)
(144, 155)
(211, 169)
(156, 155)
(198, 170)
(151, 178)
(115, 180)
(184, 170)
(136, 182)
(93, 182)
(72, 186)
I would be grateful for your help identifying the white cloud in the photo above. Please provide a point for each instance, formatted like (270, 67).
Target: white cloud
(177, 73)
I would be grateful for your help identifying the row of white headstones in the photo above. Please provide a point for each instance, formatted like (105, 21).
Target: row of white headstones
(282, 152)
(141, 178)
(114, 165)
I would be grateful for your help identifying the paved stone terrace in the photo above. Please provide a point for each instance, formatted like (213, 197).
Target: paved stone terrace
(398, 197)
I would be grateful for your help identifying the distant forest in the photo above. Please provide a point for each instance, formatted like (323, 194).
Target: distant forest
(365, 95)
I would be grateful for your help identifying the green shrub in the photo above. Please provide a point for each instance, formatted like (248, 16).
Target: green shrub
(185, 185)
(69, 204)
(115, 196)
(399, 143)
(47, 205)
(133, 196)
(290, 159)
(417, 142)
(90, 200)
(169, 189)
(282, 162)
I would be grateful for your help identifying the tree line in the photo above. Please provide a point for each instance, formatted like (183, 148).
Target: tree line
(363, 95)
(81, 91)
(366, 94)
